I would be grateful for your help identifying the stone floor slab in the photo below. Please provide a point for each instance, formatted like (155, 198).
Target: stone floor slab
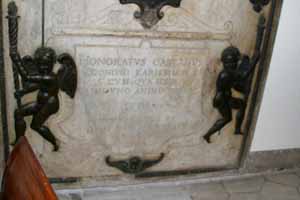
(209, 191)
(245, 196)
(70, 196)
(245, 185)
(273, 191)
(134, 196)
(286, 179)
(64, 197)
(271, 187)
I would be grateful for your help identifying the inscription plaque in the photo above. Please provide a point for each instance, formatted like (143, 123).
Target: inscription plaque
(144, 92)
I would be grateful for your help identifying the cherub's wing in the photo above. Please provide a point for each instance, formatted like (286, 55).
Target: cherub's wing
(67, 74)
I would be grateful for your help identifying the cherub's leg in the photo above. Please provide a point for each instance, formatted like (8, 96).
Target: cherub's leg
(241, 106)
(226, 113)
(20, 124)
(38, 125)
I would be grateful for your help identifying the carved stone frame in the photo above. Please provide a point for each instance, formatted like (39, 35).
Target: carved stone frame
(3, 102)
(251, 118)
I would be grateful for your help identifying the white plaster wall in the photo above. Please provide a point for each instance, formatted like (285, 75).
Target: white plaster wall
(279, 119)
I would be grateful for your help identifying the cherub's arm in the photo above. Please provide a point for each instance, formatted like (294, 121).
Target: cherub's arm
(18, 62)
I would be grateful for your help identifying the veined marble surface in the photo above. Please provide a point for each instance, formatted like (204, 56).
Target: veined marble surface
(141, 92)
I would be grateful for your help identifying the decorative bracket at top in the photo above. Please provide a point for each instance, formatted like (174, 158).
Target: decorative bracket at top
(259, 4)
(150, 10)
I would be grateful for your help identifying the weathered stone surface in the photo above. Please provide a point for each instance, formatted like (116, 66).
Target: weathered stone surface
(142, 194)
(277, 159)
(64, 197)
(272, 191)
(245, 185)
(285, 179)
(245, 196)
(70, 195)
(76, 197)
(140, 92)
(209, 191)
(187, 191)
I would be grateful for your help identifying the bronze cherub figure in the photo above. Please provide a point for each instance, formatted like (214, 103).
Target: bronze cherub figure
(237, 75)
(37, 75)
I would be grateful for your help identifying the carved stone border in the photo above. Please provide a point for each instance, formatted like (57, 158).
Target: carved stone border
(258, 90)
(4, 131)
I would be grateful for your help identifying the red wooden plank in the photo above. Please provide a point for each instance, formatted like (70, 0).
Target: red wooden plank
(24, 178)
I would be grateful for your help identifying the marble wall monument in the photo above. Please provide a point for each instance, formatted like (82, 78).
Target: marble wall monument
(147, 74)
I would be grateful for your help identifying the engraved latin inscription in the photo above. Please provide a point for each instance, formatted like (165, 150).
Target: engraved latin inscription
(138, 76)
(139, 92)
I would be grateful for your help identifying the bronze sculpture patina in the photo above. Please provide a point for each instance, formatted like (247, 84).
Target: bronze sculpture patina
(37, 75)
(134, 165)
(237, 75)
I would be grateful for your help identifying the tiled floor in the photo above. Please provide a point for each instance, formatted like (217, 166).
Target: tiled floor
(284, 186)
